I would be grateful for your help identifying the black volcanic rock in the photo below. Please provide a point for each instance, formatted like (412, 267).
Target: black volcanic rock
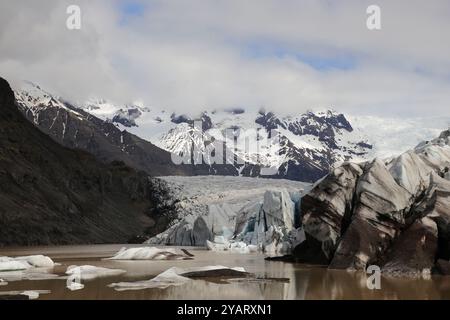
(127, 118)
(50, 194)
(204, 119)
(177, 119)
(269, 121)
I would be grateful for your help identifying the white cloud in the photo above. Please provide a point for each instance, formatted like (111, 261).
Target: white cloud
(195, 55)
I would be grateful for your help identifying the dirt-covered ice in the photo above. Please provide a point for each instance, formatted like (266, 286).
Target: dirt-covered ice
(207, 206)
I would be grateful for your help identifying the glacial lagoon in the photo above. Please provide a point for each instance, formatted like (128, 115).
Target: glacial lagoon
(296, 281)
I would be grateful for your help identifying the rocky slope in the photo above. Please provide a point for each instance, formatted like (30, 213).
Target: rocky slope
(50, 194)
(393, 213)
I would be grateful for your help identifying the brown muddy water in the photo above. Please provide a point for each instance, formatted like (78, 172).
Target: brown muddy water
(305, 282)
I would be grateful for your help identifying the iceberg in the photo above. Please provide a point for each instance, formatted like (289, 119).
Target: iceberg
(13, 265)
(270, 226)
(37, 261)
(222, 245)
(74, 286)
(150, 253)
(178, 276)
(29, 274)
(26, 262)
(34, 267)
(87, 272)
(164, 280)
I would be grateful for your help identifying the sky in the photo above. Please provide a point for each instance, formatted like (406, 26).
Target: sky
(187, 56)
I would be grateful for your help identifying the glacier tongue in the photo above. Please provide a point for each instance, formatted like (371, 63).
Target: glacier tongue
(206, 206)
(271, 225)
(256, 214)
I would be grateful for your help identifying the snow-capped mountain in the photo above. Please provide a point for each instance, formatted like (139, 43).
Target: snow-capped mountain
(307, 145)
(78, 129)
(223, 142)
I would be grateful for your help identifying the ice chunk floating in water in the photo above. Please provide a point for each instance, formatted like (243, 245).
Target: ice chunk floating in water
(166, 279)
(150, 253)
(27, 262)
(178, 276)
(74, 286)
(88, 272)
(220, 244)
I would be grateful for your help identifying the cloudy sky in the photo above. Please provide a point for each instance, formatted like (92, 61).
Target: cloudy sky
(188, 55)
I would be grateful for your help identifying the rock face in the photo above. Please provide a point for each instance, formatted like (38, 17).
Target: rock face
(392, 213)
(50, 194)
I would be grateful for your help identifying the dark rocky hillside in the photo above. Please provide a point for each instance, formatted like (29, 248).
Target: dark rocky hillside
(50, 194)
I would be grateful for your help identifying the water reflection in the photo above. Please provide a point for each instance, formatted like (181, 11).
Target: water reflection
(306, 282)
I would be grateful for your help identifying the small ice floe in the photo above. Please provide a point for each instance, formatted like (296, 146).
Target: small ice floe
(34, 267)
(29, 274)
(24, 263)
(3, 282)
(166, 279)
(88, 272)
(31, 294)
(74, 286)
(221, 244)
(150, 253)
(178, 276)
